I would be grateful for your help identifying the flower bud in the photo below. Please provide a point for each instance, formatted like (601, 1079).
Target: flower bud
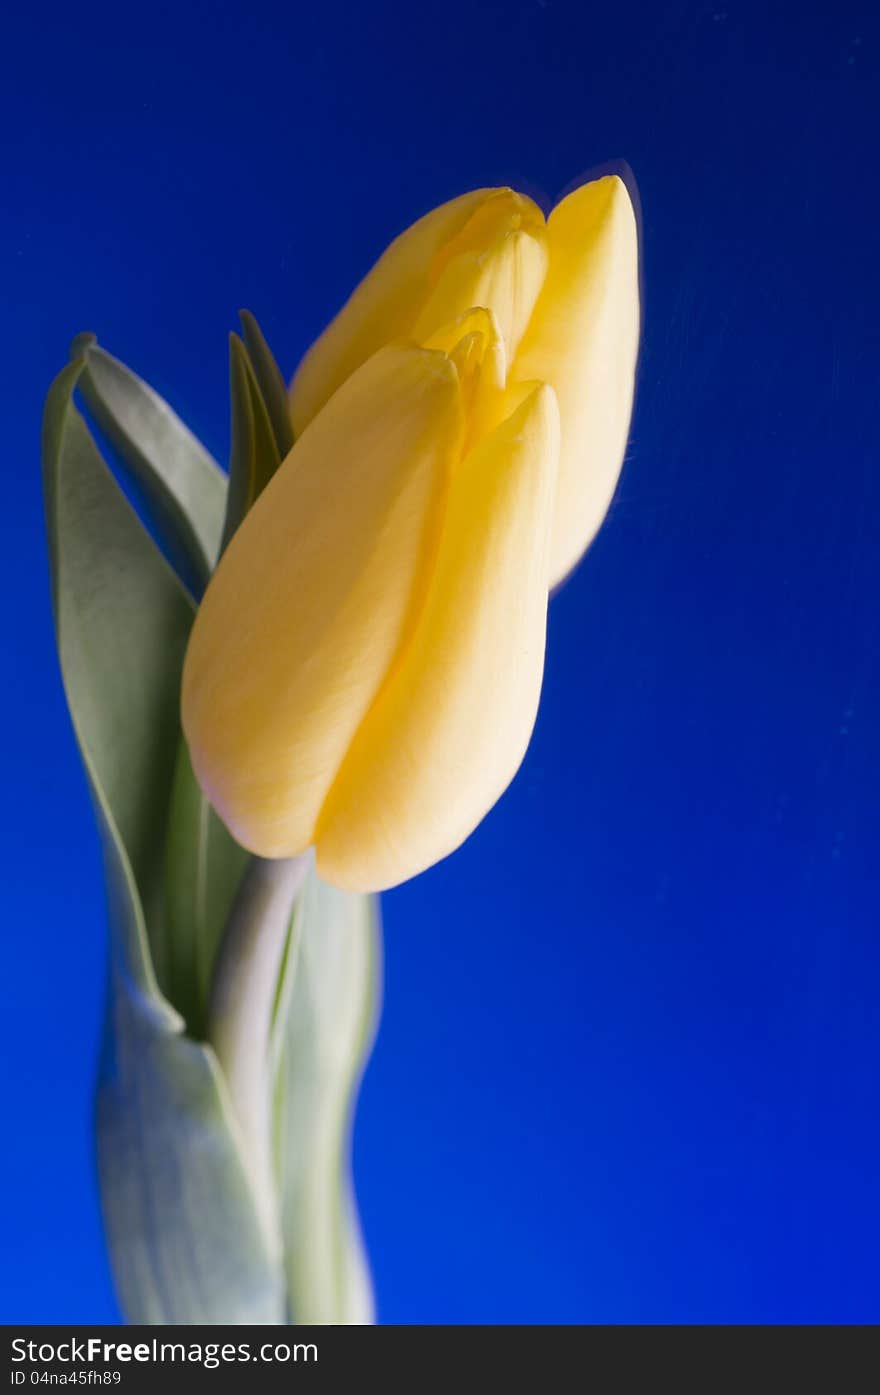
(363, 673)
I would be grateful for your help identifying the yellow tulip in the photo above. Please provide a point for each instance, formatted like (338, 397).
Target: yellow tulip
(364, 671)
(565, 296)
(379, 616)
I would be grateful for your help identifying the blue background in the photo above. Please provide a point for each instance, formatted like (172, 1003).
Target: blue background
(628, 1064)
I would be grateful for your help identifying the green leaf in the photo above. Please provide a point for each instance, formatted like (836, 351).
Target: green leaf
(185, 1241)
(254, 455)
(122, 622)
(203, 868)
(188, 1235)
(184, 1234)
(187, 491)
(184, 487)
(324, 1027)
(270, 381)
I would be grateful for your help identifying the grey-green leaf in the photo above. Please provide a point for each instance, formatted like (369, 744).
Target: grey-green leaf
(184, 486)
(203, 868)
(254, 455)
(323, 1033)
(183, 1232)
(185, 1241)
(122, 622)
(270, 381)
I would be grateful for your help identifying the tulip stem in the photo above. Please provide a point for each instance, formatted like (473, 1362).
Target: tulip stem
(241, 1010)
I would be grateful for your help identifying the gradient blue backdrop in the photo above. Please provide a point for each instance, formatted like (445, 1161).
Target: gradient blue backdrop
(627, 1068)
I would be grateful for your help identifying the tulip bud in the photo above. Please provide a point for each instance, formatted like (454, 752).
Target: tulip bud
(565, 296)
(364, 670)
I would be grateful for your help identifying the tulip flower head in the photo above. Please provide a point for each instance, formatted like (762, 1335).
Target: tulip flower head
(365, 668)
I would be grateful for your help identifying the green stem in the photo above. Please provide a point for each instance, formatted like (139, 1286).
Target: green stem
(241, 1011)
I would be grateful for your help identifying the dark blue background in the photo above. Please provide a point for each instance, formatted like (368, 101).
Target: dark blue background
(628, 1063)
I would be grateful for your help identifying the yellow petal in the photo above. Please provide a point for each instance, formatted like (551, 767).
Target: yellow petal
(474, 343)
(383, 307)
(450, 727)
(443, 260)
(504, 273)
(583, 338)
(315, 596)
(476, 320)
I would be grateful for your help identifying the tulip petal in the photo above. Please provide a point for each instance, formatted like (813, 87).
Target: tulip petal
(506, 277)
(382, 308)
(475, 321)
(583, 338)
(474, 344)
(315, 594)
(450, 727)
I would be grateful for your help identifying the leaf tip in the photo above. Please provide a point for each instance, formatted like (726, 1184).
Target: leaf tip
(80, 343)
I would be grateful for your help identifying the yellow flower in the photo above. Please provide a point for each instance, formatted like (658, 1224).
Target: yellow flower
(364, 671)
